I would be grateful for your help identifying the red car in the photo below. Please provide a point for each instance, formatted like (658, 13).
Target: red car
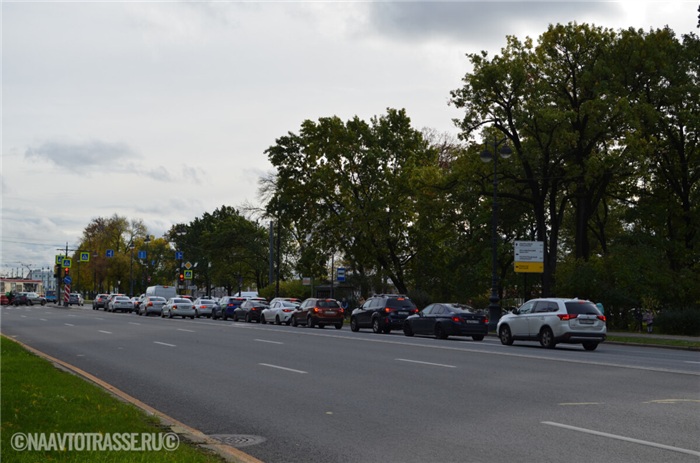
(318, 312)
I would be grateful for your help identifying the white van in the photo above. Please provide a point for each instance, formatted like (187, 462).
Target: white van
(161, 291)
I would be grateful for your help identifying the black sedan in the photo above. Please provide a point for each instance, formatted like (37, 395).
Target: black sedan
(249, 311)
(443, 320)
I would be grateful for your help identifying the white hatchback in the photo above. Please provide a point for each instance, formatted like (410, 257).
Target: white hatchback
(279, 312)
(552, 321)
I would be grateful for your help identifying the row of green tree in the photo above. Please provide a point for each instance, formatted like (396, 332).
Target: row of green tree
(604, 129)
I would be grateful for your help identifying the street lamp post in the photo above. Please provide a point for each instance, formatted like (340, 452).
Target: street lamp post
(148, 258)
(487, 156)
(132, 246)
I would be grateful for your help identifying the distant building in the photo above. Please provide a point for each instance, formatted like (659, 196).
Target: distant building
(19, 285)
(45, 275)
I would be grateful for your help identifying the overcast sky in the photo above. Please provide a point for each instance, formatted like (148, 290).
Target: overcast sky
(163, 111)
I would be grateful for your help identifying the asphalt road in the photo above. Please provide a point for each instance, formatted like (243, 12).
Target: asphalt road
(285, 394)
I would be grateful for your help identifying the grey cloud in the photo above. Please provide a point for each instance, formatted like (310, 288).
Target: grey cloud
(416, 21)
(81, 156)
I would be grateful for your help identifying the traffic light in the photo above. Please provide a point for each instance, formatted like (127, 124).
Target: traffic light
(67, 271)
(182, 278)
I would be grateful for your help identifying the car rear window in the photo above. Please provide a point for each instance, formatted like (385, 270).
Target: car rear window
(400, 303)
(457, 308)
(582, 308)
(206, 302)
(182, 301)
(116, 298)
(327, 305)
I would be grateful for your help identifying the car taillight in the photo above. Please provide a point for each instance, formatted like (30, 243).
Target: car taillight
(286, 310)
(387, 310)
(569, 316)
(253, 308)
(486, 321)
(174, 307)
(316, 309)
(456, 319)
(150, 304)
(231, 305)
(601, 317)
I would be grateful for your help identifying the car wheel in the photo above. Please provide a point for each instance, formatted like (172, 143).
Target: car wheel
(294, 321)
(309, 322)
(30, 303)
(43, 302)
(440, 332)
(386, 330)
(170, 314)
(547, 338)
(162, 314)
(277, 320)
(192, 317)
(338, 326)
(590, 345)
(407, 331)
(321, 325)
(479, 337)
(138, 312)
(248, 318)
(225, 316)
(288, 322)
(375, 326)
(506, 337)
(353, 324)
(262, 319)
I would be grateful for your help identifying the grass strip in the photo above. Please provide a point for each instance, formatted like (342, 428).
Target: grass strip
(654, 341)
(38, 398)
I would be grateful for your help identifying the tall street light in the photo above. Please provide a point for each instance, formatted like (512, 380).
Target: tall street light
(132, 246)
(148, 258)
(487, 156)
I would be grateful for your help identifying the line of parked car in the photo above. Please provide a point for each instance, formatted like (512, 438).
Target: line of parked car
(548, 321)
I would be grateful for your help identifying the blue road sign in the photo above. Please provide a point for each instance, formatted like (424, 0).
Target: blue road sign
(153, 262)
(84, 257)
(142, 254)
(67, 280)
(341, 274)
(110, 252)
(178, 255)
(188, 274)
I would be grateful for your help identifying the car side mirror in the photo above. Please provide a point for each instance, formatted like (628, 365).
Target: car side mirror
(516, 311)
(420, 314)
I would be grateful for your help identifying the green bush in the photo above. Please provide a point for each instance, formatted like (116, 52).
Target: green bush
(678, 321)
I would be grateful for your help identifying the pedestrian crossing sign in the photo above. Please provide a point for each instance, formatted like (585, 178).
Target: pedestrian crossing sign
(84, 257)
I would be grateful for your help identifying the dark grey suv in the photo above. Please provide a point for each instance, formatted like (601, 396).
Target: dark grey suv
(383, 313)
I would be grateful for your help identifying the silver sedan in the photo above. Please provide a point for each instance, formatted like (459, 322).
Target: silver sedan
(121, 303)
(204, 307)
(178, 307)
(152, 304)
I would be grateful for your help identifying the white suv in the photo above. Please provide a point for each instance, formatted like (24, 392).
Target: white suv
(553, 320)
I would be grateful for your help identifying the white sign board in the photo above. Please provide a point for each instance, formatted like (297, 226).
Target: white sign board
(529, 251)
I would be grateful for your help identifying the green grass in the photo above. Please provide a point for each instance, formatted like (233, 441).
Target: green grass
(654, 341)
(38, 398)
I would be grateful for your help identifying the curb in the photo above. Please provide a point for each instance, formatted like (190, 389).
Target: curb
(192, 435)
(637, 344)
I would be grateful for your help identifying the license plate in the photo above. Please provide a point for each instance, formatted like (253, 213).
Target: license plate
(586, 322)
(403, 313)
(330, 312)
(472, 321)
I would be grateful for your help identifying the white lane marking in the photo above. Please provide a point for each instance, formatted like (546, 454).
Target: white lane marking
(189, 331)
(164, 344)
(23, 316)
(281, 368)
(106, 332)
(80, 355)
(132, 323)
(99, 318)
(623, 438)
(427, 363)
(445, 347)
(271, 342)
(68, 324)
(72, 315)
(688, 361)
(43, 319)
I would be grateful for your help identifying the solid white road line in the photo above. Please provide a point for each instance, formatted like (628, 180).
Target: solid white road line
(271, 342)
(43, 319)
(189, 331)
(106, 332)
(164, 344)
(133, 323)
(623, 438)
(68, 324)
(23, 316)
(281, 368)
(427, 363)
(688, 361)
(99, 318)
